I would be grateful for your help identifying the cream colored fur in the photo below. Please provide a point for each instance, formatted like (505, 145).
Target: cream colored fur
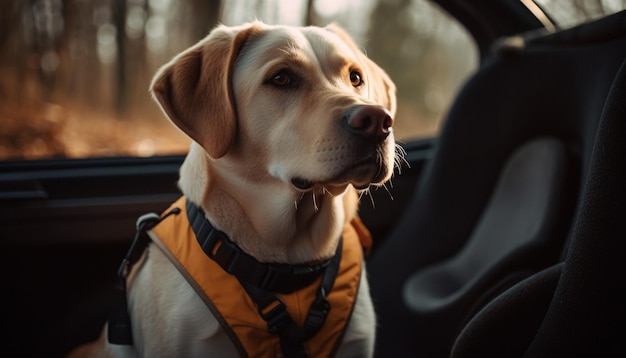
(252, 136)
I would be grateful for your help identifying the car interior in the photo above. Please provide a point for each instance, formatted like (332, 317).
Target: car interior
(511, 242)
(501, 237)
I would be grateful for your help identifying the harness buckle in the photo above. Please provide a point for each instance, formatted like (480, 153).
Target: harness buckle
(222, 251)
(276, 317)
(316, 317)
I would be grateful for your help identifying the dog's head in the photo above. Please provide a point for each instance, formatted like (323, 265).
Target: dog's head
(302, 106)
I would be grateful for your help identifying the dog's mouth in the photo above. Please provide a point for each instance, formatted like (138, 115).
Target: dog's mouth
(302, 184)
(363, 173)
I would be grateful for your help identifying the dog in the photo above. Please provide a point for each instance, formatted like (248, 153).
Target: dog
(289, 125)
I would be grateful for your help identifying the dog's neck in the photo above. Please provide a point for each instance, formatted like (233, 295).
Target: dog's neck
(270, 221)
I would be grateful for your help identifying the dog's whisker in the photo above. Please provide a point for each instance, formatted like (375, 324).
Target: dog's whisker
(367, 192)
(400, 158)
(326, 191)
(315, 202)
(371, 198)
(388, 191)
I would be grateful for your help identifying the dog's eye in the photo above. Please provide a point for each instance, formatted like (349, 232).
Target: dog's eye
(281, 79)
(355, 78)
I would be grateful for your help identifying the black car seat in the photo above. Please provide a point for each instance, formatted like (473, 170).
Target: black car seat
(514, 241)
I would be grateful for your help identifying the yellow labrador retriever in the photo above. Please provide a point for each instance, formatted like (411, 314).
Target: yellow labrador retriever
(289, 125)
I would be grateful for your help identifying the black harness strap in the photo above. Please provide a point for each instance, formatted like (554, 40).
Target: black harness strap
(119, 329)
(274, 311)
(282, 278)
(272, 277)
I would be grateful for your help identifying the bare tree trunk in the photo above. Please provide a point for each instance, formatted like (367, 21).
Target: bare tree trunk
(311, 17)
(206, 16)
(119, 18)
(9, 16)
(13, 53)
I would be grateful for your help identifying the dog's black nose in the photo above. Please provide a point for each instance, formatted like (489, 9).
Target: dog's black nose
(369, 121)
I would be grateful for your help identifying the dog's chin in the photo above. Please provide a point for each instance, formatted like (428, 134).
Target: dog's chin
(361, 177)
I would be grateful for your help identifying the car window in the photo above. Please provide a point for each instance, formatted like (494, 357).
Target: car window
(74, 74)
(568, 13)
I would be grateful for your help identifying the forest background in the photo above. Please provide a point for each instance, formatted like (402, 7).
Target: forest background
(74, 74)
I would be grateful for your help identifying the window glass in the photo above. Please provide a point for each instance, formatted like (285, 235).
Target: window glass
(74, 74)
(568, 13)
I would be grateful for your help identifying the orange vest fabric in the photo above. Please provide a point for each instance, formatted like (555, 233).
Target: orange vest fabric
(238, 314)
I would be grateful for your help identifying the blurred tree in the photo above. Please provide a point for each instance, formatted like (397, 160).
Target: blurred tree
(10, 54)
(119, 21)
(404, 50)
(8, 10)
(387, 34)
(310, 17)
(71, 63)
(205, 14)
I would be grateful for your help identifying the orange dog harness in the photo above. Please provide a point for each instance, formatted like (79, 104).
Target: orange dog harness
(239, 315)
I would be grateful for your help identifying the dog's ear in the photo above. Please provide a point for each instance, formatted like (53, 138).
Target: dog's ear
(194, 89)
(381, 88)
